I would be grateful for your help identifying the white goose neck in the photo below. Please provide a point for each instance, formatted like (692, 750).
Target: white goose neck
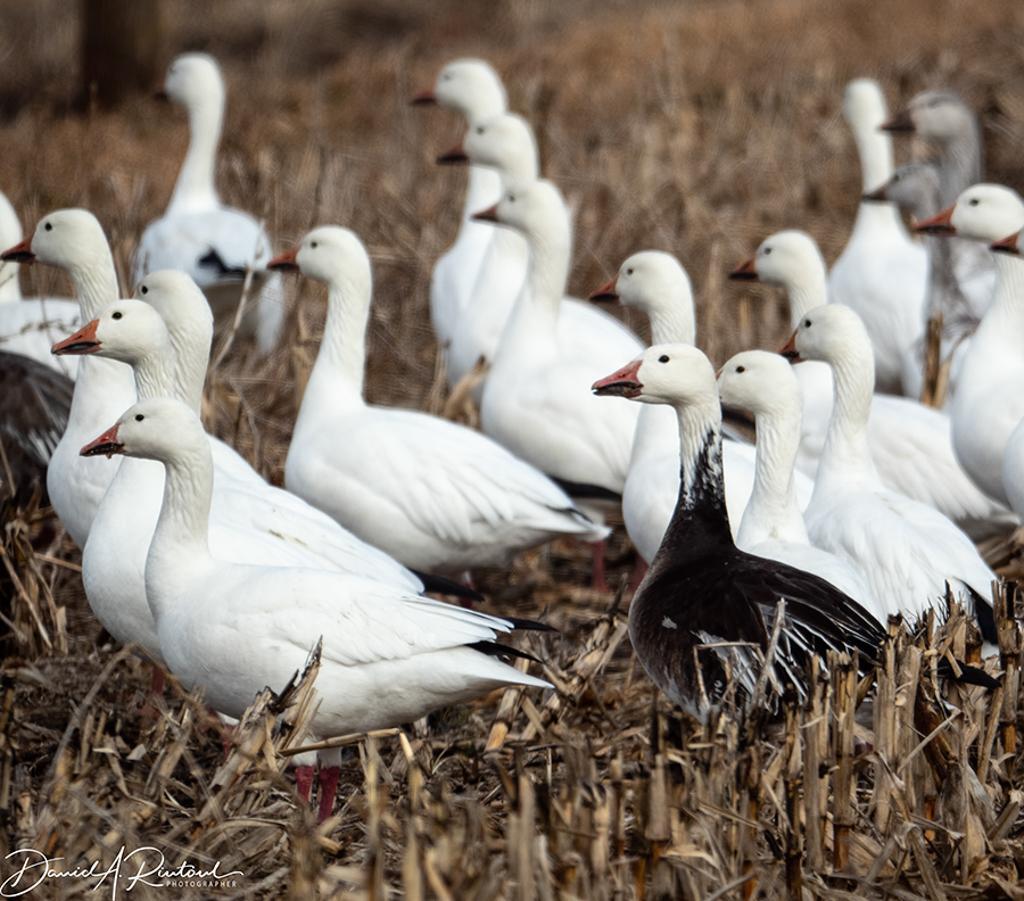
(772, 512)
(336, 381)
(482, 191)
(519, 168)
(853, 383)
(155, 377)
(1008, 302)
(181, 538)
(195, 185)
(672, 320)
(95, 285)
(550, 257)
(190, 356)
(874, 148)
(807, 289)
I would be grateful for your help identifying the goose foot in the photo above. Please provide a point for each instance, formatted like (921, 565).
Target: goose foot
(329, 776)
(304, 782)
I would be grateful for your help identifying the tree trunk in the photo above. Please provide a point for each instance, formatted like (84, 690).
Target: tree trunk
(122, 51)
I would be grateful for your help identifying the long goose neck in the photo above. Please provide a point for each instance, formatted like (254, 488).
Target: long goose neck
(155, 377)
(337, 376)
(700, 518)
(806, 289)
(778, 441)
(672, 320)
(195, 184)
(190, 352)
(1008, 303)
(853, 384)
(548, 272)
(95, 285)
(960, 164)
(519, 168)
(483, 190)
(10, 290)
(181, 538)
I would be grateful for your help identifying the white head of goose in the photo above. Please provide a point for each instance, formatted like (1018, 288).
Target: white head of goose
(702, 594)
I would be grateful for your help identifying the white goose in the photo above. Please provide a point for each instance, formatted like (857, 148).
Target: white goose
(74, 241)
(198, 234)
(28, 326)
(473, 89)
(655, 283)
(909, 551)
(536, 400)
(881, 273)
(229, 629)
(506, 143)
(911, 444)
(246, 526)
(763, 385)
(434, 494)
(989, 399)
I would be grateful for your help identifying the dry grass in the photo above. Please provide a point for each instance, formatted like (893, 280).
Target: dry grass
(694, 127)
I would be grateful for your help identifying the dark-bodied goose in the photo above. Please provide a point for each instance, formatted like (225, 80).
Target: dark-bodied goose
(703, 598)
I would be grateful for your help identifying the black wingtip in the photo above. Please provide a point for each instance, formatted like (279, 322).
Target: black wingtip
(529, 625)
(496, 649)
(442, 585)
(969, 675)
(585, 491)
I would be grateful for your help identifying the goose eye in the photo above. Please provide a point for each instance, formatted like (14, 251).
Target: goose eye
(117, 315)
(139, 417)
(767, 251)
(973, 201)
(479, 129)
(511, 198)
(313, 244)
(143, 290)
(663, 358)
(741, 368)
(807, 323)
(629, 271)
(48, 226)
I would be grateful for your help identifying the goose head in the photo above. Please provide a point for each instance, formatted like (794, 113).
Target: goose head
(785, 258)
(470, 87)
(505, 143)
(757, 382)
(675, 374)
(912, 187)
(983, 212)
(154, 429)
(176, 297)
(647, 281)
(329, 254)
(193, 79)
(535, 209)
(826, 333)
(127, 331)
(938, 116)
(65, 238)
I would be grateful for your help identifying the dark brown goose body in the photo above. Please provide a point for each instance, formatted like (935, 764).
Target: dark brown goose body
(702, 591)
(34, 405)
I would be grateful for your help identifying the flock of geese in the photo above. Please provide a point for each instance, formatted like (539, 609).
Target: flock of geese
(857, 503)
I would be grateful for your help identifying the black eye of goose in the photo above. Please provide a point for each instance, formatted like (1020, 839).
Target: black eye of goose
(479, 129)
(139, 417)
(973, 201)
(767, 251)
(663, 358)
(48, 226)
(741, 368)
(629, 271)
(117, 315)
(313, 244)
(143, 290)
(807, 323)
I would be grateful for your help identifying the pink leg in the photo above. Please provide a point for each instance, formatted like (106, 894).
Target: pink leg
(329, 776)
(597, 566)
(304, 782)
(157, 680)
